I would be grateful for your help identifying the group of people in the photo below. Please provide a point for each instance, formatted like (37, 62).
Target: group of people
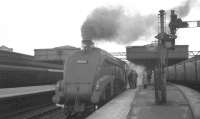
(141, 79)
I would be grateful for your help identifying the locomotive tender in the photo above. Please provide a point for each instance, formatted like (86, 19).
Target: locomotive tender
(91, 77)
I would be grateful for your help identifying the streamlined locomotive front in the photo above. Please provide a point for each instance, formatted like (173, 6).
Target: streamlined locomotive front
(79, 75)
(91, 78)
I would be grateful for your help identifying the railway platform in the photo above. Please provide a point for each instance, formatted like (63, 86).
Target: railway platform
(182, 103)
(20, 91)
(21, 100)
(117, 108)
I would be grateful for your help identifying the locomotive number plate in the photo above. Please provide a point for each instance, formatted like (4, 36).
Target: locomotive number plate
(82, 61)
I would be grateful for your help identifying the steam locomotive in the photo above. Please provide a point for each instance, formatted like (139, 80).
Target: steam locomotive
(91, 78)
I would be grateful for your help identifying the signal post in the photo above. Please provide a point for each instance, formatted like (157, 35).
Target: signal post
(160, 82)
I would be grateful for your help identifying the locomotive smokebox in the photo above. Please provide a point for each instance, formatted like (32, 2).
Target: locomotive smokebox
(87, 44)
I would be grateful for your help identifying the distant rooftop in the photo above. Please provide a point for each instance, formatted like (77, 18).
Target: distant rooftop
(55, 55)
(5, 48)
(65, 47)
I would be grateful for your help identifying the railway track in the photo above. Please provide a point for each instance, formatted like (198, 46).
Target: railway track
(39, 112)
(12, 106)
(30, 103)
(47, 112)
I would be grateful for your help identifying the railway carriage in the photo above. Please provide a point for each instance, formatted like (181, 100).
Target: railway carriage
(185, 73)
(17, 70)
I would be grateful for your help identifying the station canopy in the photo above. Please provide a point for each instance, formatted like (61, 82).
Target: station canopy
(149, 55)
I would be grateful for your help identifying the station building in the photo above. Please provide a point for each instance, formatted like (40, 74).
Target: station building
(55, 55)
(5, 48)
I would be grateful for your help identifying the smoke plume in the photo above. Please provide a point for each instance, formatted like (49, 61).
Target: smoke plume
(184, 9)
(101, 24)
(134, 27)
(112, 24)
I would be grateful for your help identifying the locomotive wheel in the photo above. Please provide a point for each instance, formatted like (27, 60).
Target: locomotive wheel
(67, 115)
(76, 116)
(67, 110)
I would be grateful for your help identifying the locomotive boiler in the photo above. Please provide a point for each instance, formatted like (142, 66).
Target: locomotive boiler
(91, 77)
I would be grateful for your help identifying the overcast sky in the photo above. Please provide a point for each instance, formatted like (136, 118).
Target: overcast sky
(26, 25)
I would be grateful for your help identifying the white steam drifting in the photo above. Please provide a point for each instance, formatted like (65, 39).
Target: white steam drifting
(113, 24)
(184, 9)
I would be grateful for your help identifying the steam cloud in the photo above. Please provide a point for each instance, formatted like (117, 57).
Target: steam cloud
(184, 9)
(101, 24)
(112, 24)
(134, 27)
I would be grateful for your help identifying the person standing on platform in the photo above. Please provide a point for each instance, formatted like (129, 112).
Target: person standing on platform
(144, 79)
(132, 77)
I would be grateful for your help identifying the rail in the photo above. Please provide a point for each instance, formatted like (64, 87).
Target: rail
(39, 112)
